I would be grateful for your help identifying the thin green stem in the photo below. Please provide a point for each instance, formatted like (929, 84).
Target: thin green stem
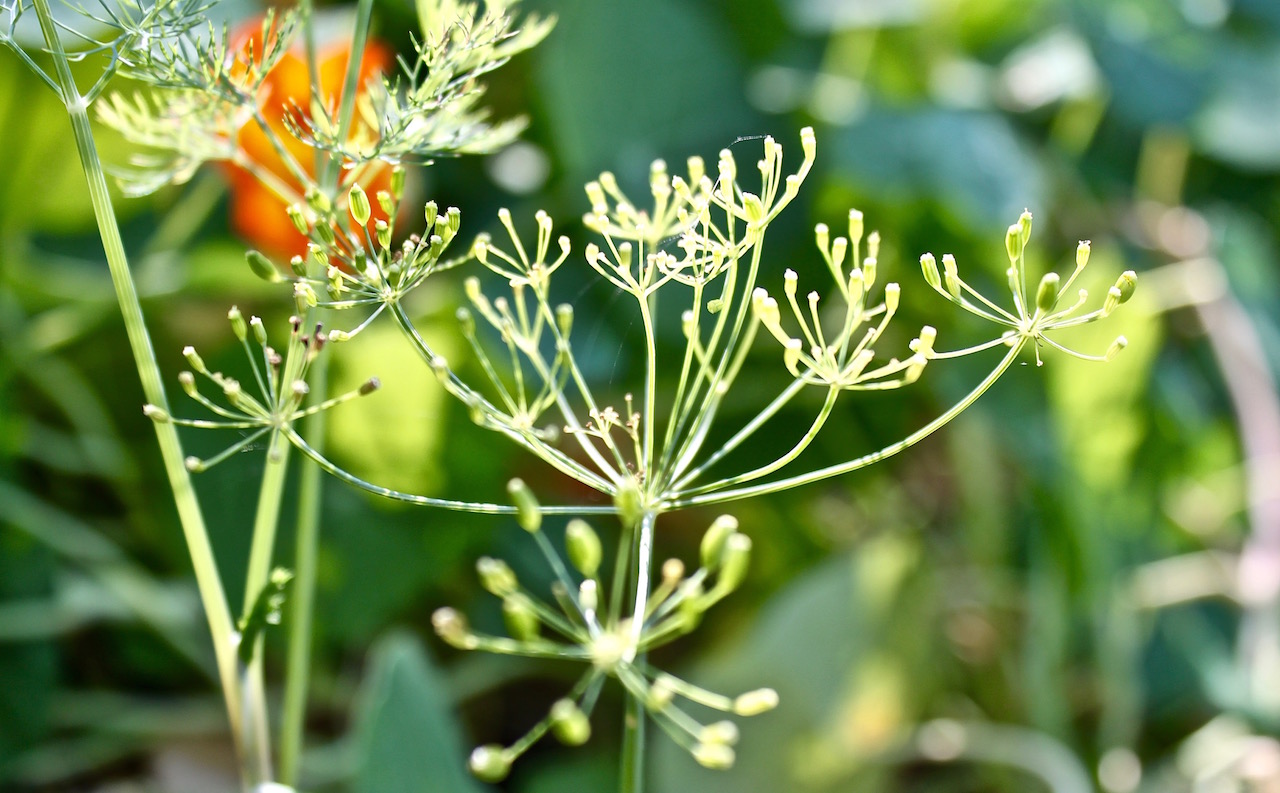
(302, 596)
(650, 417)
(350, 85)
(852, 465)
(633, 723)
(209, 584)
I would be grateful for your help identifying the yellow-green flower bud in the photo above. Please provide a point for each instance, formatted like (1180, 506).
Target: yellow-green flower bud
(951, 276)
(238, 325)
(496, 576)
(873, 245)
(431, 211)
(382, 232)
(838, 250)
(1127, 283)
(629, 503)
(297, 218)
(387, 202)
(892, 296)
(325, 232)
(855, 226)
(1013, 242)
(194, 359)
(1082, 254)
(717, 535)
(737, 555)
(528, 511)
(808, 144)
(822, 236)
(262, 266)
(490, 763)
(397, 183)
(466, 321)
(359, 204)
(259, 330)
(715, 756)
(569, 724)
(791, 356)
(564, 319)
(521, 620)
(1024, 226)
(583, 547)
(929, 266)
(1047, 294)
(451, 626)
(869, 270)
(299, 266)
(1116, 346)
(157, 414)
(756, 702)
(188, 383)
(1111, 301)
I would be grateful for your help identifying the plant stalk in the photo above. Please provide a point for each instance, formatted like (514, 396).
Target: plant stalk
(208, 582)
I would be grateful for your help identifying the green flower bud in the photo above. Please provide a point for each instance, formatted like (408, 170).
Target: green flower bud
(297, 218)
(466, 321)
(822, 235)
(262, 266)
(629, 503)
(661, 693)
(714, 540)
(564, 319)
(521, 620)
(397, 183)
(299, 266)
(1111, 301)
(496, 576)
(259, 330)
(1082, 254)
(1047, 294)
(387, 203)
(737, 554)
(583, 547)
(359, 204)
(490, 763)
(157, 414)
(1013, 242)
(756, 702)
(869, 270)
(188, 383)
(569, 724)
(382, 232)
(528, 511)
(1024, 226)
(238, 325)
(1127, 283)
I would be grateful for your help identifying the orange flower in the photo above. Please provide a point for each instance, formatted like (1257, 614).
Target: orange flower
(258, 213)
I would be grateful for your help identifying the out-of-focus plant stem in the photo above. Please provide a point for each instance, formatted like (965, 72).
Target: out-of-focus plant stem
(212, 595)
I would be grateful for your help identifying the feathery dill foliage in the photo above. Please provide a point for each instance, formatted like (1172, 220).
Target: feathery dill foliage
(648, 455)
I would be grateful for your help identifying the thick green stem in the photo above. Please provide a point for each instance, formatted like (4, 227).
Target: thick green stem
(212, 597)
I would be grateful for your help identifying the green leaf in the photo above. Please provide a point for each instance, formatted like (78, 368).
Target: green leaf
(408, 738)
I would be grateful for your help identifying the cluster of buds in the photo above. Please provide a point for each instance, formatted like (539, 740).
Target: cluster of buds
(842, 361)
(682, 209)
(583, 623)
(1030, 320)
(280, 382)
(351, 257)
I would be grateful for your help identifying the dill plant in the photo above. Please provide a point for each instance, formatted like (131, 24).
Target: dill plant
(648, 455)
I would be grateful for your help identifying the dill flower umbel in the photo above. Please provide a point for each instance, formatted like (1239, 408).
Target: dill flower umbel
(257, 206)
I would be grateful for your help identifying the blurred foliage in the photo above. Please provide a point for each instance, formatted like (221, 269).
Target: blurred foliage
(1043, 597)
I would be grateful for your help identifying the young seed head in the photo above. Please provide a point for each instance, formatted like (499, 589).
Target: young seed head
(569, 724)
(528, 511)
(238, 325)
(583, 547)
(262, 266)
(496, 576)
(1013, 242)
(1047, 294)
(490, 763)
(521, 620)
